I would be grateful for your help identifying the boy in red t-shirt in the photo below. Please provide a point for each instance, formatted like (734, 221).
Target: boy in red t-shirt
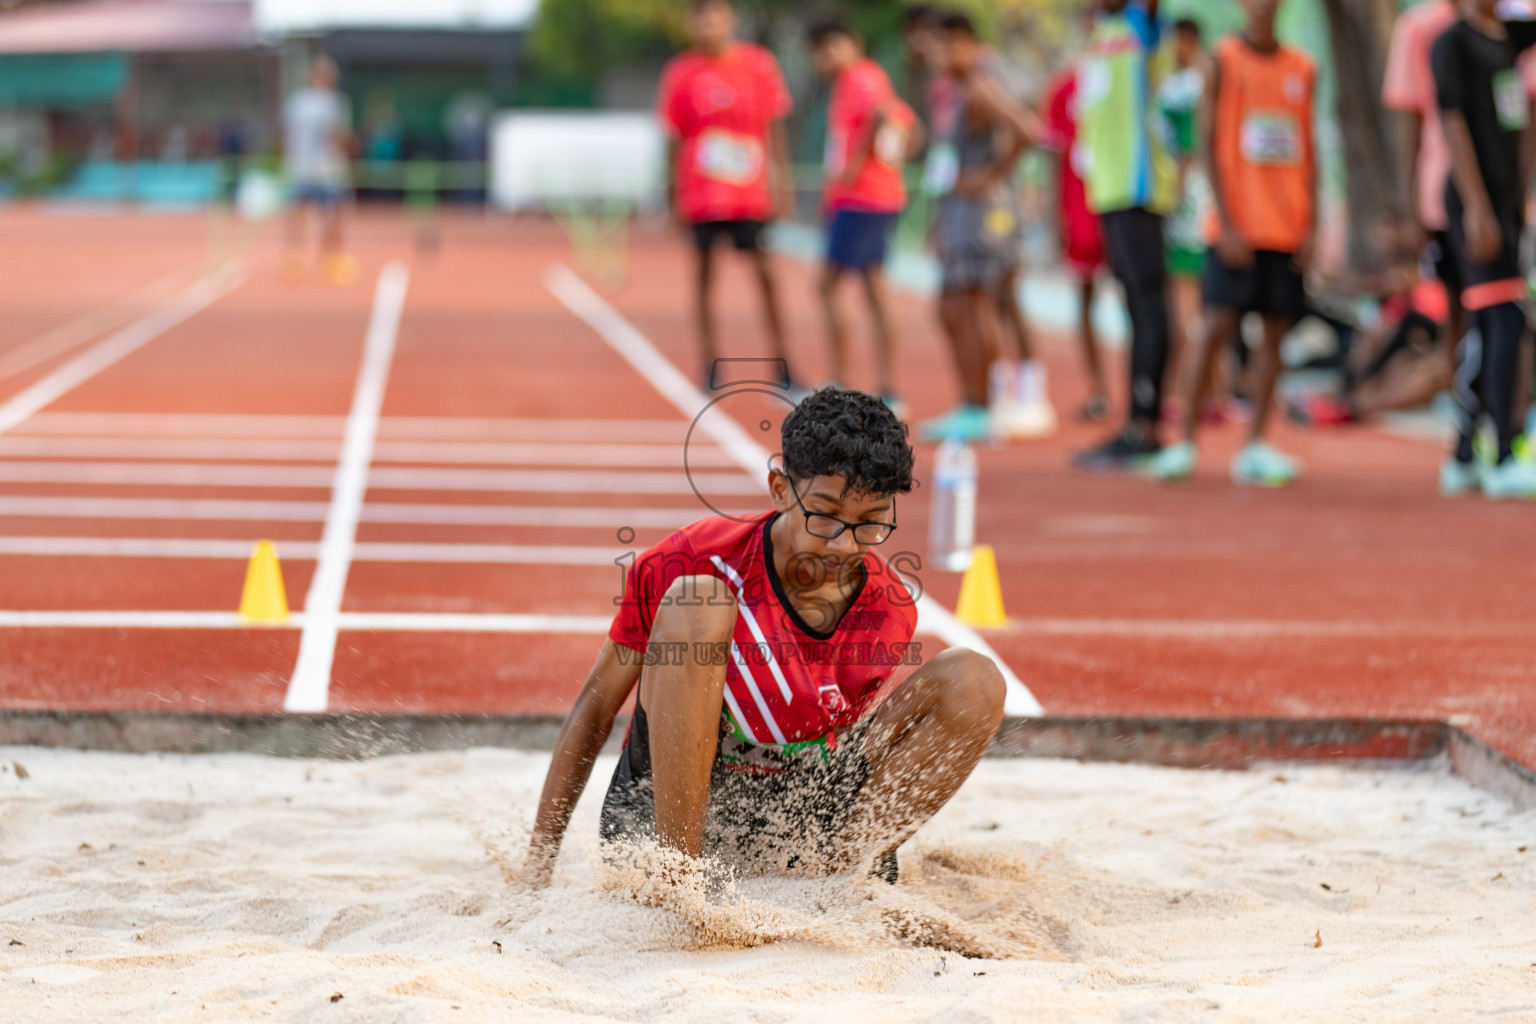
(723, 103)
(765, 732)
(870, 133)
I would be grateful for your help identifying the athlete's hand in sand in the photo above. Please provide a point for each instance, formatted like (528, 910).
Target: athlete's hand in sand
(1233, 251)
(1484, 236)
(538, 866)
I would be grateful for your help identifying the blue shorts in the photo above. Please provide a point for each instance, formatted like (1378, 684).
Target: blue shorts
(858, 239)
(315, 194)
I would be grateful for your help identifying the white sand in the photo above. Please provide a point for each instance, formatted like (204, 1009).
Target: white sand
(238, 888)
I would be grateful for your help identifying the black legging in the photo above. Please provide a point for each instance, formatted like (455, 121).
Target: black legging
(1133, 240)
(1488, 368)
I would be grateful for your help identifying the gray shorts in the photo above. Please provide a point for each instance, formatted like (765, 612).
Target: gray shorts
(785, 821)
(978, 242)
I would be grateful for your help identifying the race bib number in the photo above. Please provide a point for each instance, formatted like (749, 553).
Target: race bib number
(728, 157)
(1093, 83)
(941, 170)
(891, 145)
(1081, 159)
(1509, 100)
(1271, 138)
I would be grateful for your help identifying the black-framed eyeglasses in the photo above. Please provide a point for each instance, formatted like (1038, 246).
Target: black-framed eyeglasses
(819, 524)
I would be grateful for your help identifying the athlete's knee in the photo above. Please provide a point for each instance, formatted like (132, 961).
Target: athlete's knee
(971, 684)
(695, 608)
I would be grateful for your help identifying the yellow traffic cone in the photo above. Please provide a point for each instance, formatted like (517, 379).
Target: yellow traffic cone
(264, 599)
(981, 595)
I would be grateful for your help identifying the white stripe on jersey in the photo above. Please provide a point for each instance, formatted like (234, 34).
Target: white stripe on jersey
(773, 663)
(739, 718)
(757, 695)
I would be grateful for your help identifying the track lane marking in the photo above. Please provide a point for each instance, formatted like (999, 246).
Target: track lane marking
(115, 347)
(407, 428)
(439, 452)
(74, 333)
(214, 509)
(309, 688)
(386, 478)
(494, 622)
(643, 356)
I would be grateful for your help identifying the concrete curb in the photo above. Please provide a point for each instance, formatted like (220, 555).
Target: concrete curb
(1175, 742)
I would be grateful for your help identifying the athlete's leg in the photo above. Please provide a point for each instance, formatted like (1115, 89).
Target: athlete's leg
(1218, 324)
(1502, 327)
(958, 309)
(924, 742)
(1011, 316)
(837, 327)
(1134, 241)
(1089, 337)
(769, 288)
(704, 309)
(1268, 373)
(885, 330)
(682, 700)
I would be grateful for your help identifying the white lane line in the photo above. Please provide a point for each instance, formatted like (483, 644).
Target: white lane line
(114, 347)
(405, 428)
(379, 621)
(396, 478)
(225, 448)
(298, 550)
(373, 512)
(309, 688)
(637, 350)
(492, 622)
(145, 547)
(558, 453)
(88, 325)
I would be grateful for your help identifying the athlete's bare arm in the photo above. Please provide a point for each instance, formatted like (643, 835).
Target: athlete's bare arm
(863, 145)
(1410, 137)
(585, 731)
(1484, 236)
(1234, 251)
(783, 176)
(1014, 126)
(1303, 258)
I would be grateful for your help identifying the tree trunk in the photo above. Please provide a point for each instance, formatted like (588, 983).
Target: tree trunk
(1361, 30)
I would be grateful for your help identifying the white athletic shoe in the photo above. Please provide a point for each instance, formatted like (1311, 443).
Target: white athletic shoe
(1032, 422)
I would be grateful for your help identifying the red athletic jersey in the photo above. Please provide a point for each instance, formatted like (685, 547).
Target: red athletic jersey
(720, 109)
(788, 687)
(858, 95)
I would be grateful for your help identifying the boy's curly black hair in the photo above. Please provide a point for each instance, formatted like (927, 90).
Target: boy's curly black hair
(838, 431)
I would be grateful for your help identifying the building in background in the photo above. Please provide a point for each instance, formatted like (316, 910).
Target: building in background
(146, 100)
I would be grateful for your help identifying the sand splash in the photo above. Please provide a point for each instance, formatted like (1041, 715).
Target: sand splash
(173, 889)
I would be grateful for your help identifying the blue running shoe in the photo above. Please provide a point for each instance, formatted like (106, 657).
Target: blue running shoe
(1259, 465)
(1512, 479)
(1174, 463)
(1458, 479)
(963, 423)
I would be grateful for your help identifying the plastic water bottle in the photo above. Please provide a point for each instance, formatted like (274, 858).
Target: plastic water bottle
(952, 521)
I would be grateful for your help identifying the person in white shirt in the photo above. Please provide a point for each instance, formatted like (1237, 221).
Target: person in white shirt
(317, 131)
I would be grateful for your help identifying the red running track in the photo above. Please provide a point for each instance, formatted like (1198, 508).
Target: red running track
(1357, 593)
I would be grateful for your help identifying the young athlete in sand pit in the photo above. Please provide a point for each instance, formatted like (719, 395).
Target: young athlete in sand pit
(764, 734)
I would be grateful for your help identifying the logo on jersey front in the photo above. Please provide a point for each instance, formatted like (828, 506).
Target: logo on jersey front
(831, 698)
